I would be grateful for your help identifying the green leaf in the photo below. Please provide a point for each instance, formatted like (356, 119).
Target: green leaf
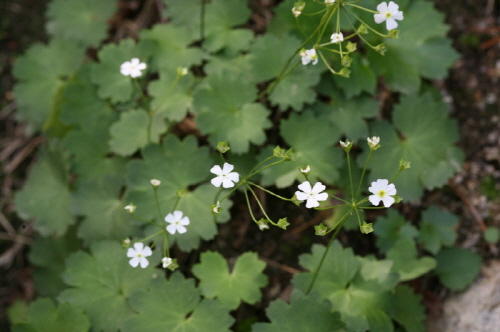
(243, 283)
(422, 49)
(419, 122)
(99, 203)
(106, 74)
(296, 89)
(81, 106)
(169, 46)
(130, 132)
(312, 139)
(457, 267)
(101, 283)
(49, 208)
(83, 21)
(304, 313)
(178, 165)
(408, 309)
(175, 305)
(50, 64)
(363, 304)
(47, 256)
(227, 112)
(268, 54)
(437, 229)
(348, 117)
(406, 263)
(173, 101)
(44, 316)
(492, 234)
(362, 78)
(393, 228)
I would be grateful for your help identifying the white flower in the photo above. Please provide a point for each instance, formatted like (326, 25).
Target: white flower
(296, 12)
(225, 177)
(182, 71)
(305, 170)
(329, 1)
(312, 195)
(345, 144)
(139, 254)
(373, 142)
(382, 191)
(177, 222)
(308, 56)
(166, 261)
(389, 14)
(155, 182)
(130, 208)
(216, 208)
(132, 68)
(337, 37)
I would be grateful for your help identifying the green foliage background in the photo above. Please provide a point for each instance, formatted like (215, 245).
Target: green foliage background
(105, 142)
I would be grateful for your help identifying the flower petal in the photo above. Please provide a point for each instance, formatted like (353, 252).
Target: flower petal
(184, 221)
(181, 229)
(227, 168)
(301, 196)
(321, 197)
(375, 199)
(216, 170)
(311, 202)
(134, 261)
(217, 181)
(388, 201)
(305, 187)
(233, 176)
(226, 183)
(147, 252)
(318, 187)
(144, 262)
(172, 228)
(391, 24)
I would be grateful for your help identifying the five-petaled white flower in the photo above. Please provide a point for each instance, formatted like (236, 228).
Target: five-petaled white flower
(309, 56)
(311, 195)
(225, 177)
(382, 191)
(139, 253)
(373, 142)
(337, 37)
(132, 68)
(177, 222)
(388, 13)
(166, 261)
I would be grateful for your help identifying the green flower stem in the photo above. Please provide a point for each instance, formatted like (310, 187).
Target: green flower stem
(167, 94)
(249, 207)
(151, 236)
(330, 207)
(271, 86)
(363, 8)
(136, 82)
(367, 25)
(260, 205)
(145, 220)
(371, 207)
(337, 228)
(258, 165)
(176, 203)
(158, 209)
(263, 168)
(166, 249)
(327, 64)
(350, 172)
(269, 192)
(363, 173)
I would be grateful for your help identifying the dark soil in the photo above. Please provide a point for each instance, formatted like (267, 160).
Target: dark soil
(472, 88)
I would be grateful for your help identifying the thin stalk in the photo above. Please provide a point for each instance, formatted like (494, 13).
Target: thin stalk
(269, 192)
(339, 226)
(258, 202)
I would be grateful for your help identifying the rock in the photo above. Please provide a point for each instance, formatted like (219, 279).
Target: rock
(475, 310)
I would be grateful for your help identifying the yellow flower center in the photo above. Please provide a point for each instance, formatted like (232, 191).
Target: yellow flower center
(381, 193)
